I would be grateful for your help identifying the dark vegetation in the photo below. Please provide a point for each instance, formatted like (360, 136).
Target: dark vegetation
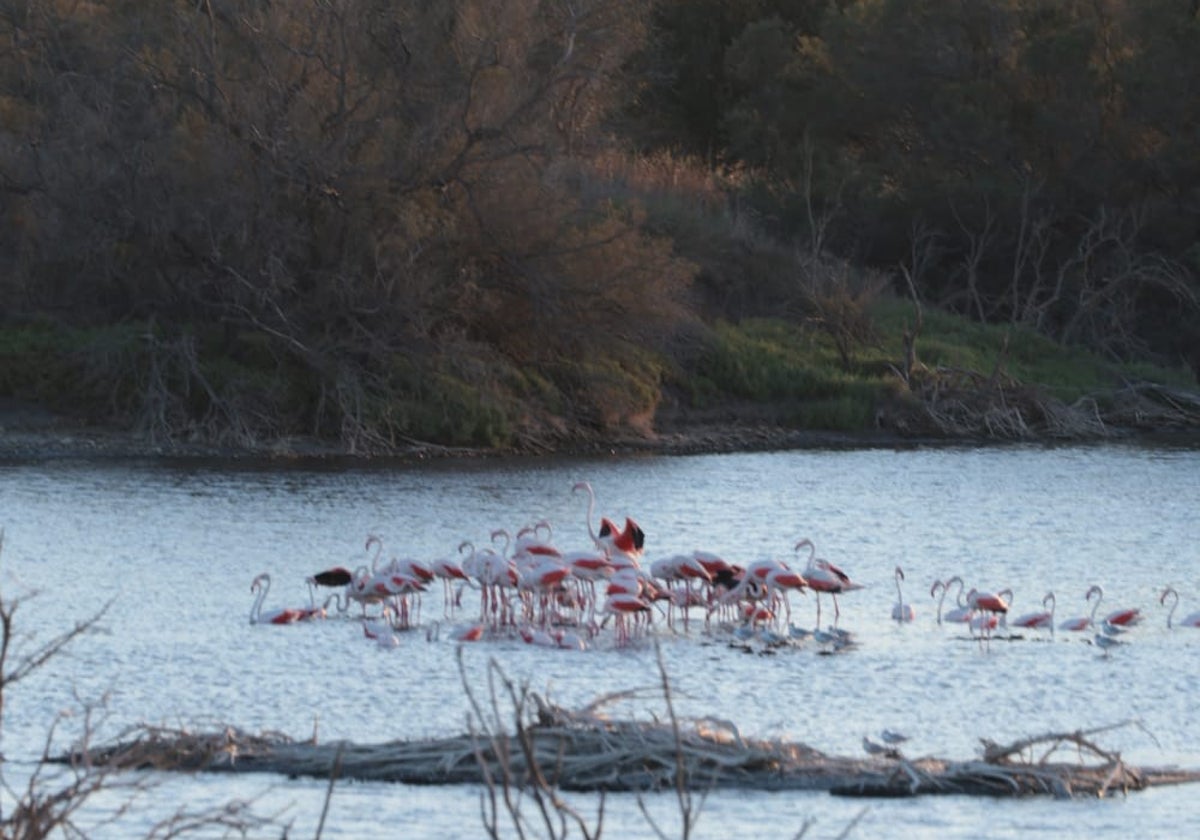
(529, 224)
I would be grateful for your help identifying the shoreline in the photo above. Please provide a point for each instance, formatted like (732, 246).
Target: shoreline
(54, 439)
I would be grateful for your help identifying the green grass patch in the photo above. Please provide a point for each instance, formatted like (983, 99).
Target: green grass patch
(949, 340)
(795, 369)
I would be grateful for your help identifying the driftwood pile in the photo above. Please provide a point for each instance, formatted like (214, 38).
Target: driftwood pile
(584, 752)
(965, 403)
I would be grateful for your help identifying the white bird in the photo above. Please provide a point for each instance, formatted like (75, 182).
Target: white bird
(1105, 642)
(1112, 629)
(901, 611)
(891, 737)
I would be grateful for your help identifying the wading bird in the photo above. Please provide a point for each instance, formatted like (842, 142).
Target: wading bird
(901, 611)
(1081, 623)
(260, 586)
(1191, 620)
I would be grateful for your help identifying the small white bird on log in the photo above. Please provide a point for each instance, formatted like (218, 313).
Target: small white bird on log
(873, 748)
(892, 737)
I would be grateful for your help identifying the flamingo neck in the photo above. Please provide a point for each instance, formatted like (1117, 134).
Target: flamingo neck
(958, 599)
(583, 485)
(941, 599)
(261, 588)
(1174, 604)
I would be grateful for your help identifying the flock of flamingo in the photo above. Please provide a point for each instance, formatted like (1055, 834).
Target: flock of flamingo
(529, 588)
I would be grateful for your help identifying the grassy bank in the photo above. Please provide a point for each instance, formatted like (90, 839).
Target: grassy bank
(204, 385)
(798, 375)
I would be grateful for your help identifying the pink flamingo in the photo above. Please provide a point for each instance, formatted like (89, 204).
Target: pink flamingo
(901, 611)
(1041, 620)
(623, 607)
(1081, 623)
(983, 624)
(677, 573)
(530, 540)
(472, 633)
(451, 573)
(987, 602)
(623, 545)
(962, 612)
(260, 586)
(1120, 618)
(990, 609)
(1192, 620)
(823, 576)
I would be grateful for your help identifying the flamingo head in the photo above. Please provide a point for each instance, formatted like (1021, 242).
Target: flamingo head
(806, 543)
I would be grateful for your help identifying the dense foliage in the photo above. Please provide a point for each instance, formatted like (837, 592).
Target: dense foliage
(504, 221)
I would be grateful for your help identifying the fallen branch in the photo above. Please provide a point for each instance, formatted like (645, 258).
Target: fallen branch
(588, 753)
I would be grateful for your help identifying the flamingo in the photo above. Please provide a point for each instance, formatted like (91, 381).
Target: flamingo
(1192, 620)
(901, 611)
(377, 541)
(1120, 618)
(530, 540)
(714, 564)
(1041, 620)
(626, 543)
(622, 606)
(450, 571)
(769, 578)
(363, 589)
(679, 569)
(933, 593)
(984, 623)
(823, 576)
(470, 633)
(539, 579)
(962, 611)
(336, 576)
(1081, 623)
(994, 603)
(382, 632)
(260, 586)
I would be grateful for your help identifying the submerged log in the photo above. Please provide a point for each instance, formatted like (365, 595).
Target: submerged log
(586, 753)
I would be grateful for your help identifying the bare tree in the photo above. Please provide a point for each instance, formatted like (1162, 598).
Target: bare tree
(1108, 279)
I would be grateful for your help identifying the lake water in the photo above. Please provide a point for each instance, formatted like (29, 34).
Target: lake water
(174, 546)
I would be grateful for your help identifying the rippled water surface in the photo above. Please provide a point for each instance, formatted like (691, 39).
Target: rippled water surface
(173, 547)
